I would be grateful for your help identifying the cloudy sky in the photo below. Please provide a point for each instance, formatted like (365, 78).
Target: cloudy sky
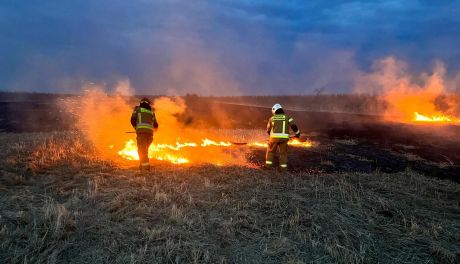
(218, 47)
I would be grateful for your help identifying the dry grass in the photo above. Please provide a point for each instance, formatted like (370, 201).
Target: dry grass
(73, 207)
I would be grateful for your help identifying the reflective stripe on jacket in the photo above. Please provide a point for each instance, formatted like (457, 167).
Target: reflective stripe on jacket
(144, 120)
(278, 126)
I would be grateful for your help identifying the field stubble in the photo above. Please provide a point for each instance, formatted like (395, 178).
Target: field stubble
(64, 204)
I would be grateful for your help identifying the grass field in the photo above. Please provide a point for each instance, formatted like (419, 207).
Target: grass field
(63, 204)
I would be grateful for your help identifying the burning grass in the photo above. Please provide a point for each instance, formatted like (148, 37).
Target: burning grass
(435, 118)
(174, 153)
(426, 97)
(74, 206)
(177, 140)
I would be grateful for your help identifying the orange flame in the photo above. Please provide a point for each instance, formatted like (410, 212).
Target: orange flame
(292, 142)
(103, 118)
(163, 151)
(434, 118)
(174, 154)
(297, 143)
(258, 144)
(412, 98)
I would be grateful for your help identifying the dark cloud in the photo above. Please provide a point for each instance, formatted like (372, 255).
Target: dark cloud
(218, 47)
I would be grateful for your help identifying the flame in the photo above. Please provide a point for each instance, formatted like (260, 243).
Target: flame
(163, 151)
(426, 97)
(297, 143)
(175, 141)
(129, 152)
(434, 118)
(208, 142)
(292, 142)
(258, 144)
(175, 153)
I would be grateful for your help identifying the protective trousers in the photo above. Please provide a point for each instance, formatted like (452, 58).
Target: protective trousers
(274, 144)
(143, 143)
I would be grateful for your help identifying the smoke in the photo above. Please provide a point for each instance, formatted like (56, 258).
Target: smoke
(124, 88)
(172, 129)
(406, 94)
(193, 71)
(104, 120)
(194, 66)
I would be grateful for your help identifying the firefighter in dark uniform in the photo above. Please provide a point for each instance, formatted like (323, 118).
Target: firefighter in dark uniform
(278, 129)
(144, 121)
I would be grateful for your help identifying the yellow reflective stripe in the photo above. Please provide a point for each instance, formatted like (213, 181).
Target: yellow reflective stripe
(284, 127)
(142, 126)
(283, 165)
(268, 162)
(143, 110)
(279, 135)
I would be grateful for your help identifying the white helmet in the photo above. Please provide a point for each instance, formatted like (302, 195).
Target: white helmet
(276, 107)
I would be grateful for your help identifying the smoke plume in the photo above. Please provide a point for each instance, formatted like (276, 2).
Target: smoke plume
(104, 120)
(407, 94)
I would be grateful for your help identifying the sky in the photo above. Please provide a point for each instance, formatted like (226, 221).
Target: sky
(219, 47)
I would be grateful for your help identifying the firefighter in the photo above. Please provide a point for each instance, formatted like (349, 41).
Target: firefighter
(144, 121)
(278, 129)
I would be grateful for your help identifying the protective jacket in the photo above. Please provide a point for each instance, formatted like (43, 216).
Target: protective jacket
(143, 120)
(278, 126)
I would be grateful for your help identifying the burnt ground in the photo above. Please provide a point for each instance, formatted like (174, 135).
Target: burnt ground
(338, 155)
(32, 117)
(347, 142)
(365, 143)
